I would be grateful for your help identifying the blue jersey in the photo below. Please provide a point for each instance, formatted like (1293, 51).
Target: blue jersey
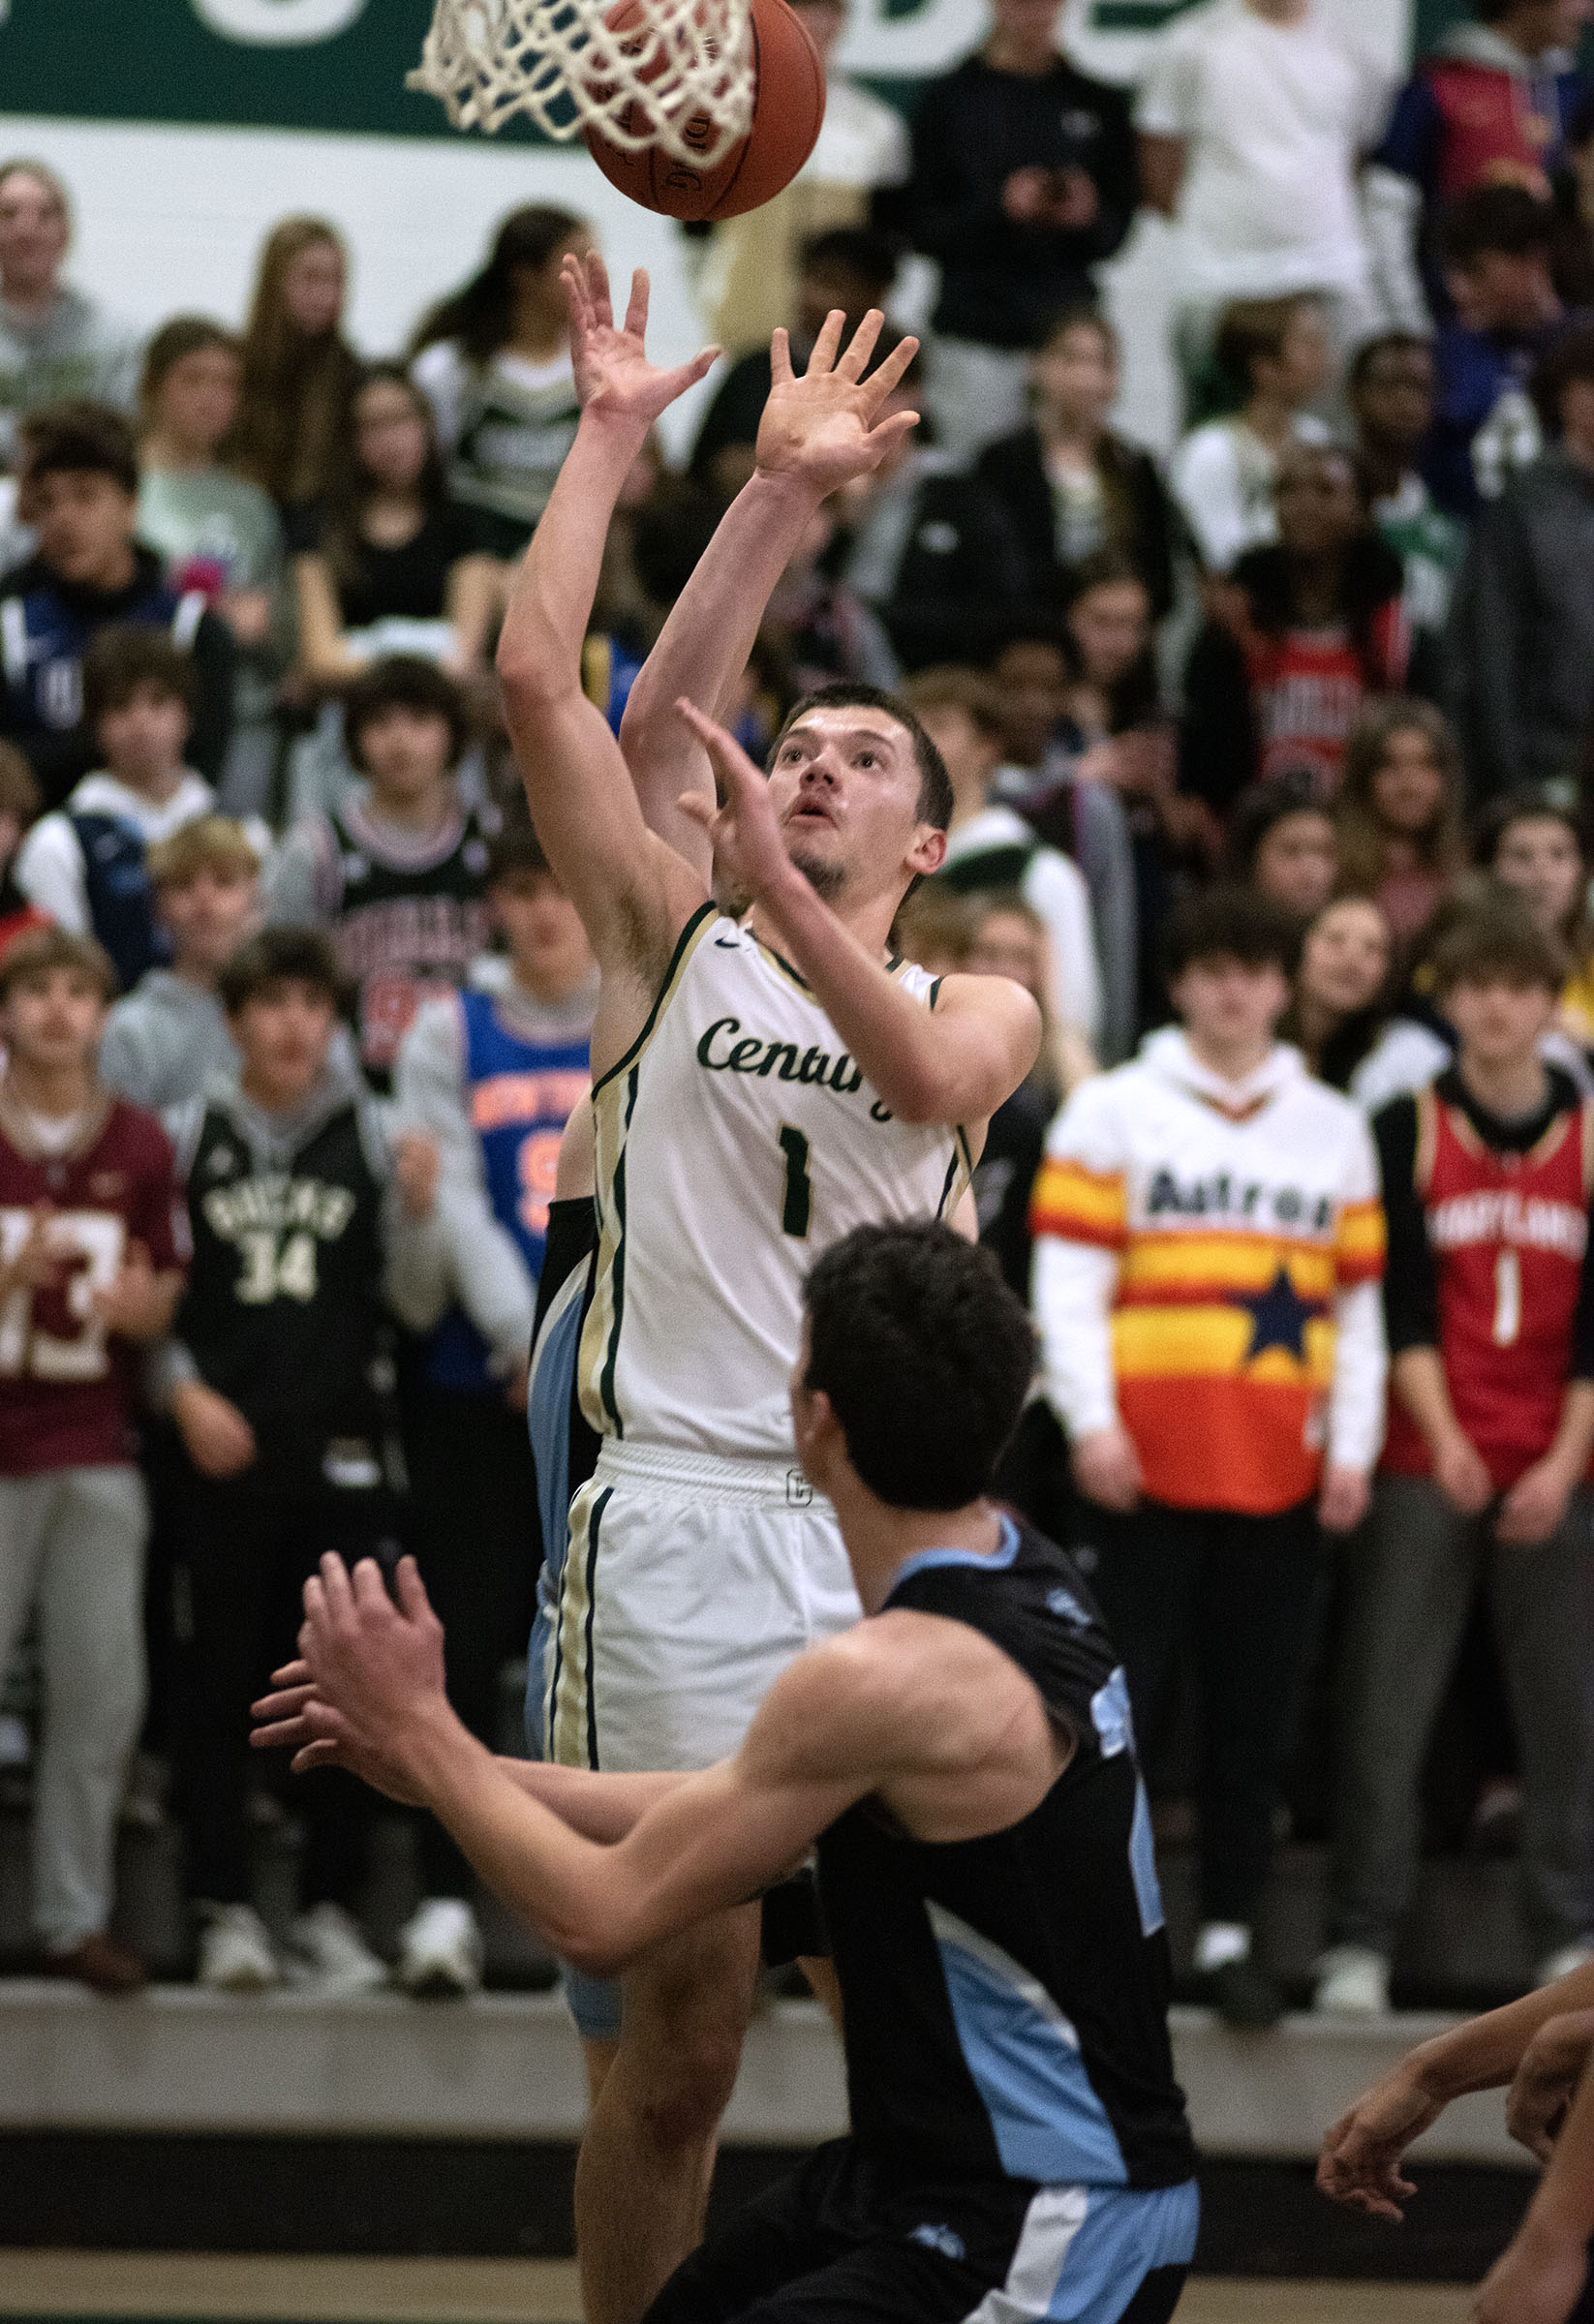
(519, 1094)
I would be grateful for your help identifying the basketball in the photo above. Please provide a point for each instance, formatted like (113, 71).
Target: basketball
(788, 106)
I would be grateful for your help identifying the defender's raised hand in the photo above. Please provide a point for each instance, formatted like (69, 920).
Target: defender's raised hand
(825, 428)
(610, 362)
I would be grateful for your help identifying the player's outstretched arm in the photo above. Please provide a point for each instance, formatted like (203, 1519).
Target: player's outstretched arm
(955, 1063)
(1360, 2163)
(701, 1843)
(576, 780)
(818, 430)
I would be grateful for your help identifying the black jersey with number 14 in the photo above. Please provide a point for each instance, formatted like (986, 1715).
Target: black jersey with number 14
(1006, 1998)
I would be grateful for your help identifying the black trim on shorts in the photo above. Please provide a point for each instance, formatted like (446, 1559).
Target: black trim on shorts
(598, 1507)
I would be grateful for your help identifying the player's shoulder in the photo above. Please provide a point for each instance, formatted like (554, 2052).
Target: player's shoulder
(884, 1684)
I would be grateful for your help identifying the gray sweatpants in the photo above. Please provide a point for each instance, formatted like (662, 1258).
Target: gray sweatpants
(72, 1542)
(1412, 1571)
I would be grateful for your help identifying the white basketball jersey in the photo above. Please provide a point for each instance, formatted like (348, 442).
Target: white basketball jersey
(736, 1141)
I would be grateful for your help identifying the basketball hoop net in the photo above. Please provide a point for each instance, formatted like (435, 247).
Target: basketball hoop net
(680, 74)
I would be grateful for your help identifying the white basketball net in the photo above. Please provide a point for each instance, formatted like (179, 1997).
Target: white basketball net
(680, 75)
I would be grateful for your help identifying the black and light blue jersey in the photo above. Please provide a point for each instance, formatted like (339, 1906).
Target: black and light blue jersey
(1006, 1998)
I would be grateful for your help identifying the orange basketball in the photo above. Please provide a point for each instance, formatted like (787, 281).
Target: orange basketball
(789, 106)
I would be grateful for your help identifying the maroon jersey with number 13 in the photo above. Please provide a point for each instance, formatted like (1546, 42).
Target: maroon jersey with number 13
(65, 1384)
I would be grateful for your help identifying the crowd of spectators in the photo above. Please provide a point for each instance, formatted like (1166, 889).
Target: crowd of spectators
(1305, 702)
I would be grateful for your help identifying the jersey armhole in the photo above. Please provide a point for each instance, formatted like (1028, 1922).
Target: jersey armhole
(685, 945)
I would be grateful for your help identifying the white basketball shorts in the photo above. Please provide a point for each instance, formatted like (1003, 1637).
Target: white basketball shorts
(689, 1585)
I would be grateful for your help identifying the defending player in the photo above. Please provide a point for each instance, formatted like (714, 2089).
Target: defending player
(964, 1759)
(759, 1089)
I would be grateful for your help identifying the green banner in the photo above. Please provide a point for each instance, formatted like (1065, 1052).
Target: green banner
(271, 64)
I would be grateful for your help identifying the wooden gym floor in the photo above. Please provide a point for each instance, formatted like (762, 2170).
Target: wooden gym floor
(198, 2289)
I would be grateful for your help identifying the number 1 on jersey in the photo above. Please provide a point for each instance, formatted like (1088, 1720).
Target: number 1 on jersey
(796, 1208)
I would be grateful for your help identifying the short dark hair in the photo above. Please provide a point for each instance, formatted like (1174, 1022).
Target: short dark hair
(405, 681)
(926, 1357)
(276, 956)
(35, 952)
(1497, 937)
(126, 656)
(1504, 219)
(517, 851)
(935, 801)
(81, 437)
(1229, 924)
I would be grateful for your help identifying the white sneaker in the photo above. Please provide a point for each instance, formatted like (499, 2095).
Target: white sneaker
(334, 1955)
(1352, 1981)
(441, 1949)
(1562, 1962)
(236, 1955)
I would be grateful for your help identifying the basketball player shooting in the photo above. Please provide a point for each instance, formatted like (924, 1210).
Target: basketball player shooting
(760, 1088)
(963, 1758)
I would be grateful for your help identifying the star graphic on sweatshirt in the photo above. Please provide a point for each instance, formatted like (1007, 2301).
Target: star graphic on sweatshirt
(1279, 1317)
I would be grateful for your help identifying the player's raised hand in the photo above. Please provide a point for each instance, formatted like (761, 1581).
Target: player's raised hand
(825, 428)
(749, 847)
(610, 361)
(1359, 2164)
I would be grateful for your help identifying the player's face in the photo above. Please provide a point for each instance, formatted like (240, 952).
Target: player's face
(405, 752)
(142, 738)
(1499, 1021)
(1346, 956)
(211, 914)
(845, 787)
(84, 522)
(54, 1019)
(1541, 859)
(1228, 1004)
(284, 1032)
(199, 398)
(547, 943)
(1298, 862)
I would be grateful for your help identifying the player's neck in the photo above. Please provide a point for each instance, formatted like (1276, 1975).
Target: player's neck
(869, 920)
(880, 1539)
(57, 1091)
(1510, 1089)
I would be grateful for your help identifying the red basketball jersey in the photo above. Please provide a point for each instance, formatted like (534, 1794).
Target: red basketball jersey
(1508, 1234)
(66, 1387)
